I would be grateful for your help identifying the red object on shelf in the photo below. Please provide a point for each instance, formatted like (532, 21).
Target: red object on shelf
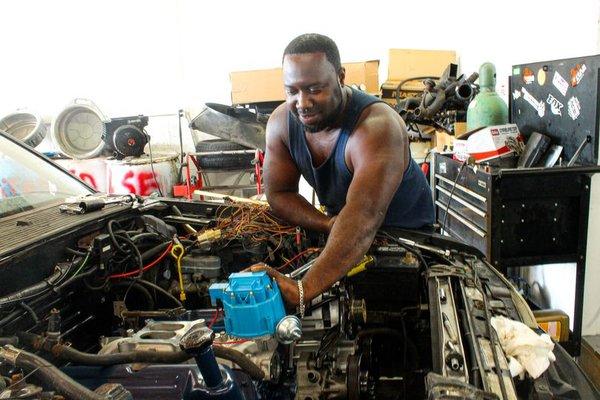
(259, 160)
(186, 189)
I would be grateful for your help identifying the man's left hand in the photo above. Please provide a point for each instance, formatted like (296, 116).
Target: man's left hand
(287, 286)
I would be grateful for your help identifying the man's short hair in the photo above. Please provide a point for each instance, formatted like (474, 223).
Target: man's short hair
(315, 43)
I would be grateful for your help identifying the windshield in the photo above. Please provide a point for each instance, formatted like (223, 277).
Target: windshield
(28, 181)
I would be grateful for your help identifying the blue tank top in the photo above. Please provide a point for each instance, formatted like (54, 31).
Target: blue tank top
(411, 206)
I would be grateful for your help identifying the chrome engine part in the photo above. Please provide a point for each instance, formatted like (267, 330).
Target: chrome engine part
(155, 336)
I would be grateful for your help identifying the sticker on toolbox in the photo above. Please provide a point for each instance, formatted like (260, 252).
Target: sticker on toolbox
(574, 108)
(539, 106)
(517, 71)
(577, 74)
(528, 76)
(541, 76)
(555, 105)
(516, 94)
(482, 183)
(560, 83)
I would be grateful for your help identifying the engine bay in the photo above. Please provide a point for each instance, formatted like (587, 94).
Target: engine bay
(115, 303)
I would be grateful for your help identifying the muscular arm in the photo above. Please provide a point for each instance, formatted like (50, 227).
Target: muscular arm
(282, 178)
(379, 156)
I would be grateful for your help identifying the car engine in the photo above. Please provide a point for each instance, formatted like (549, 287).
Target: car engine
(113, 298)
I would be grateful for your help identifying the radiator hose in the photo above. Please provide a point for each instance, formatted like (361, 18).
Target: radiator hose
(70, 354)
(47, 373)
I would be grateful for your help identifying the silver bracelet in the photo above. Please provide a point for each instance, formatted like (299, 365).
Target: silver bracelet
(301, 306)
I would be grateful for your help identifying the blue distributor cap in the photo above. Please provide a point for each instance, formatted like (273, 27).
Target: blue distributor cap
(252, 303)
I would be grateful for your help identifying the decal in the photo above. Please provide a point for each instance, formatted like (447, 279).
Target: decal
(516, 94)
(482, 183)
(541, 77)
(577, 74)
(560, 83)
(539, 106)
(528, 76)
(574, 108)
(555, 105)
(443, 168)
(517, 71)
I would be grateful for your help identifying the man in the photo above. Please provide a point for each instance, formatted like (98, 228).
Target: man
(353, 150)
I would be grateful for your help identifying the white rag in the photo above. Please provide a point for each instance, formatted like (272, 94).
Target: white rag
(526, 350)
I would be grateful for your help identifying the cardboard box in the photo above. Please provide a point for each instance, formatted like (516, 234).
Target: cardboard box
(410, 63)
(267, 84)
(365, 75)
(491, 142)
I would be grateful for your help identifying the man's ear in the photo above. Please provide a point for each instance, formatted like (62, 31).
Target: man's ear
(342, 76)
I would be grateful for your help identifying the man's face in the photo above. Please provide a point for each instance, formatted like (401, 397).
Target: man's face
(313, 91)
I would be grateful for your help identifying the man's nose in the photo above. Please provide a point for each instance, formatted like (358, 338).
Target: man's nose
(304, 101)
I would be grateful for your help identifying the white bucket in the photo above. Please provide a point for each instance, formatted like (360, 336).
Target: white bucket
(135, 175)
(77, 131)
(92, 171)
(26, 126)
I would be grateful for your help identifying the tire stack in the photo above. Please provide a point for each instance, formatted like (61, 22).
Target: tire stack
(223, 157)
(226, 163)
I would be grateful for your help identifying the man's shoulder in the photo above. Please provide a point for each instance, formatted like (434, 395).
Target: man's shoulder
(277, 126)
(380, 117)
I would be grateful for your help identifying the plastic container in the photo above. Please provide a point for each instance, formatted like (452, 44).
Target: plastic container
(136, 175)
(25, 126)
(92, 171)
(554, 322)
(78, 130)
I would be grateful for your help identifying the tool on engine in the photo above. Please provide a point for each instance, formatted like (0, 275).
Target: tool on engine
(362, 266)
(423, 246)
(252, 304)
(177, 252)
(79, 205)
(302, 269)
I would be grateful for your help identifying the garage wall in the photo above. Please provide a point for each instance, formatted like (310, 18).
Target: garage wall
(154, 57)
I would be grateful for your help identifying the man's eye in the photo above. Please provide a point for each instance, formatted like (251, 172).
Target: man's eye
(290, 92)
(314, 90)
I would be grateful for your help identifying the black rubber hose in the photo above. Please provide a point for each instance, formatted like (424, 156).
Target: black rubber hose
(30, 311)
(31, 290)
(136, 251)
(49, 374)
(240, 359)
(9, 340)
(161, 290)
(141, 289)
(70, 354)
(145, 235)
(155, 250)
(75, 252)
(74, 279)
(111, 233)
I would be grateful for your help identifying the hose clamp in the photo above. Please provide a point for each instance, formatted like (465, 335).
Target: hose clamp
(9, 353)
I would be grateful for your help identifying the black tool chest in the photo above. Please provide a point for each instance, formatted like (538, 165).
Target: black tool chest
(532, 216)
